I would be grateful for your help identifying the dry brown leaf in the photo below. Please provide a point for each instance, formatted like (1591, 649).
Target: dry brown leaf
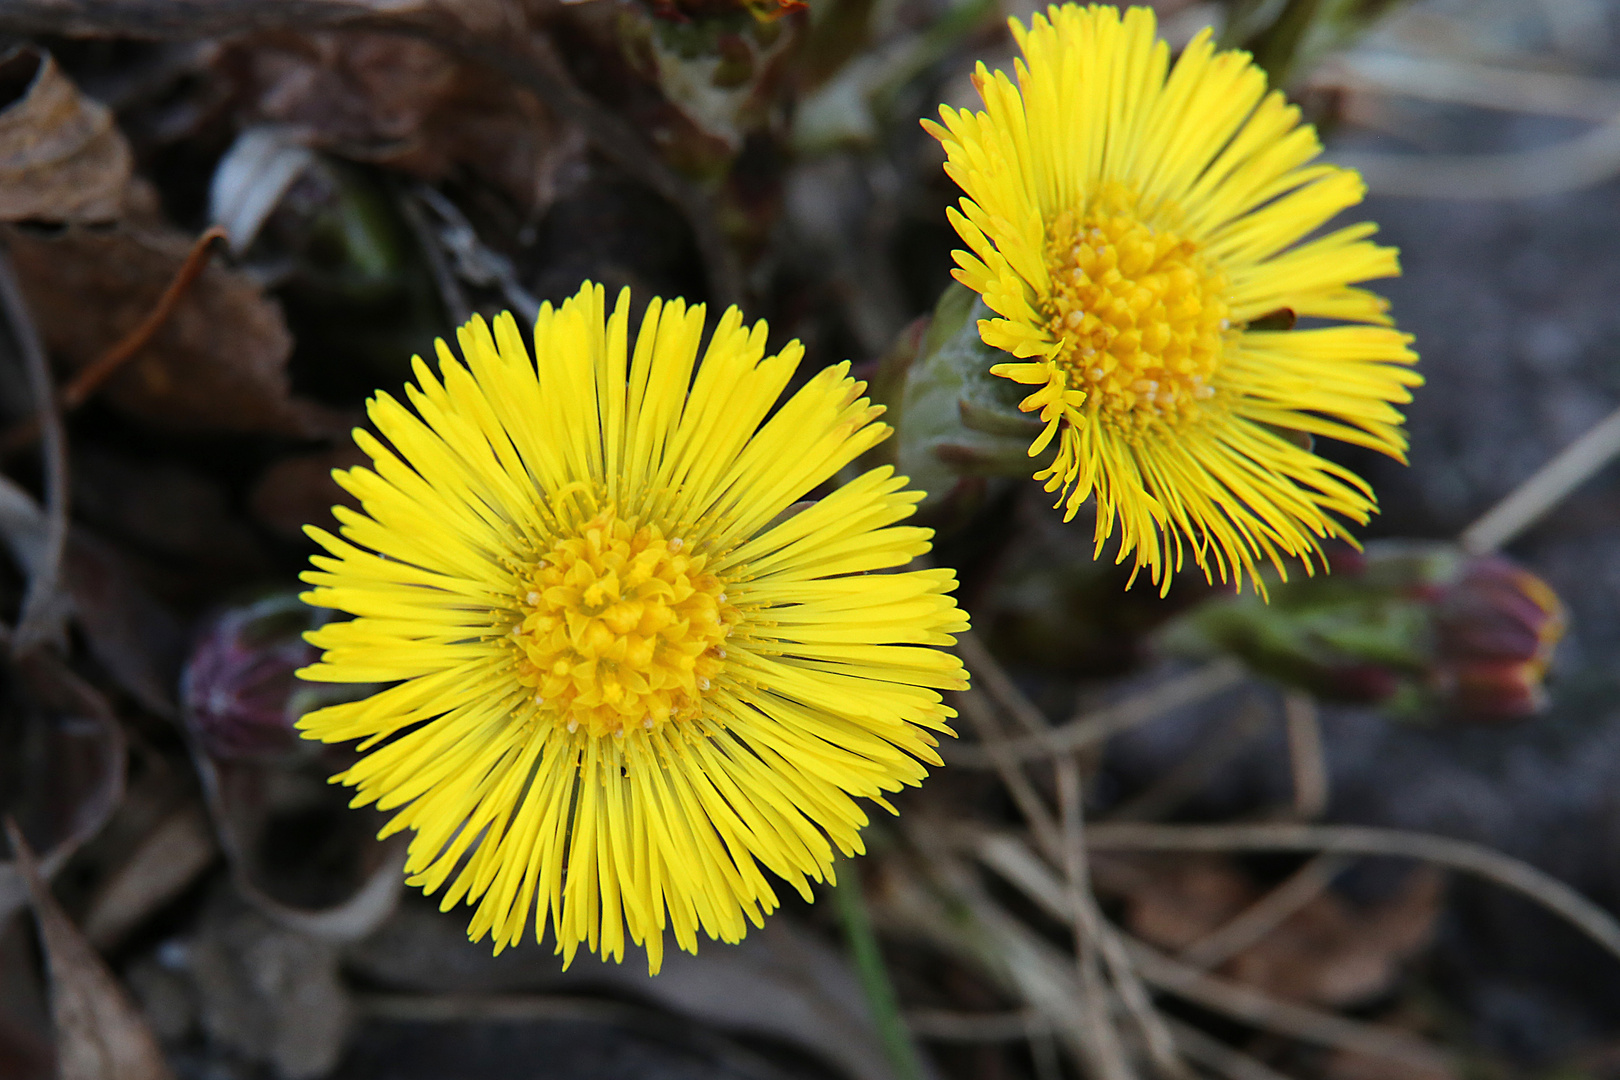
(100, 1035)
(1329, 952)
(162, 865)
(406, 104)
(218, 364)
(62, 158)
(1174, 905)
(1333, 954)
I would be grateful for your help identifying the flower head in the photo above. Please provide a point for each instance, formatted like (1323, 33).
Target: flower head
(1134, 224)
(629, 670)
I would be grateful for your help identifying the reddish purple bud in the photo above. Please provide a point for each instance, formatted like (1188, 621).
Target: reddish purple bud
(1495, 630)
(239, 691)
(1422, 629)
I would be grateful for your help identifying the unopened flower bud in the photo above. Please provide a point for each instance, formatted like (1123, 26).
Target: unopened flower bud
(1495, 630)
(955, 422)
(238, 691)
(1422, 629)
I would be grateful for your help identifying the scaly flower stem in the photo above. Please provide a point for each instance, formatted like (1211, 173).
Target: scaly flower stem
(873, 973)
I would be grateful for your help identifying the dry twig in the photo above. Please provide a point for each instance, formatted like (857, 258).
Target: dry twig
(1576, 163)
(1041, 975)
(1090, 925)
(1106, 1053)
(1094, 1040)
(90, 379)
(1464, 82)
(1093, 936)
(948, 1025)
(475, 262)
(110, 759)
(973, 705)
(992, 678)
(1285, 1018)
(1088, 728)
(94, 375)
(1474, 858)
(1546, 488)
(1010, 858)
(1305, 760)
(1263, 916)
(451, 295)
(1208, 756)
(1217, 1057)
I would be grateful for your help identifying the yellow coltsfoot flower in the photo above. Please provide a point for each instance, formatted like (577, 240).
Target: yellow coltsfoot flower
(629, 671)
(1132, 222)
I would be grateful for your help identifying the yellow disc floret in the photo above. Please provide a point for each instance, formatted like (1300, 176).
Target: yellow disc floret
(1139, 312)
(622, 628)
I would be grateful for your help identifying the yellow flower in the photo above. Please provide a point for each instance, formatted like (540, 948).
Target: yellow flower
(1131, 221)
(627, 675)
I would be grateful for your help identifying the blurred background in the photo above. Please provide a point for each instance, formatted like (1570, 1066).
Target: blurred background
(1371, 830)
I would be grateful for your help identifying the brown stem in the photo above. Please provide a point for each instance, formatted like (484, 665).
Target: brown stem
(1096, 946)
(93, 375)
(1257, 920)
(1093, 727)
(973, 705)
(1108, 1061)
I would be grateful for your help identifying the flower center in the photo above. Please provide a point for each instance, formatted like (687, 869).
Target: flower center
(621, 628)
(1139, 310)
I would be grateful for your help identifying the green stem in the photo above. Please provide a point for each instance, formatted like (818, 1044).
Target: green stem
(873, 973)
